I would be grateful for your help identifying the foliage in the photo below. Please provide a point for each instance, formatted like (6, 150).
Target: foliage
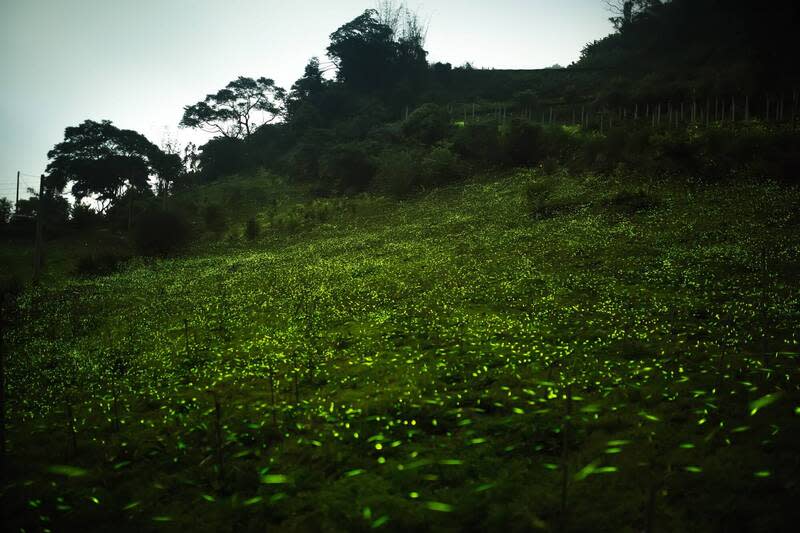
(233, 111)
(444, 363)
(160, 233)
(100, 264)
(100, 159)
(215, 218)
(427, 124)
(373, 51)
(347, 168)
(6, 208)
(522, 142)
(479, 142)
(252, 229)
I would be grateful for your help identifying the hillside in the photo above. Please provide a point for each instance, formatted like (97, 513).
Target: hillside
(451, 362)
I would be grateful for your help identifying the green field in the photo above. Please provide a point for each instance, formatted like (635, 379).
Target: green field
(600, 354)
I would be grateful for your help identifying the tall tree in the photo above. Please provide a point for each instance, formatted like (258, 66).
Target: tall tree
(100, 159)
(307, 90)
(238, 109)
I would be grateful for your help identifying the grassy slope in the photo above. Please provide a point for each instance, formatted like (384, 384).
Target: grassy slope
(419, 355)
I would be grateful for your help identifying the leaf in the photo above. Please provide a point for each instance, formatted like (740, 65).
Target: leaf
(353, 473)
(252, 501)
(693, 469)
(66, 470)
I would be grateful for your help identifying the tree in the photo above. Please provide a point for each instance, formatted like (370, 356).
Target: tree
(100, 159)
(625, 11)
(362, 51)
(5, 211)
(232, 112)
(307, 90)
(379, 48)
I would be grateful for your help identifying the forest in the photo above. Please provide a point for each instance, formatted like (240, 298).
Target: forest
(413, 296)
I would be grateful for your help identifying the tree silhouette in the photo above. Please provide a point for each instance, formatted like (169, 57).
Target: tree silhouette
(99, 158)
(232, 112)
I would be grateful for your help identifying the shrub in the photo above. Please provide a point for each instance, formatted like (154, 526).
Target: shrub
(522, 142)
(541, 202)
(101, 263)
(160, 232)
(398, 171)
(440, 166)
(214, 218)
(630, 202)
(83, 216)
(252, 229)
(349, 167)
(478, 141)
(428, 124)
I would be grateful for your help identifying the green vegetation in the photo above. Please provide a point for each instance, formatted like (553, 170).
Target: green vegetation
(365, 305)
(412, 366)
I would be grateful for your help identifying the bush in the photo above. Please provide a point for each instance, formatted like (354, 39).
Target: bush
(478, 141)
(84, 217)
(251, 229)
(349, 167)
(428, 124)
(522, 142)
(398, 171)
(440, 166)
(160, 232)
(630, 202)
(98, 264)
(214, 218)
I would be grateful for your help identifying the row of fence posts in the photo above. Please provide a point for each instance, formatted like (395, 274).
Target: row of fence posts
(662, 114)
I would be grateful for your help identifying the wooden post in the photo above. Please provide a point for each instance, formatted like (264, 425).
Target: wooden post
(16, 202)
(39, 246)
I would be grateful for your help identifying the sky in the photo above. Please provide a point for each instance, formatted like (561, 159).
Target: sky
(139, 62)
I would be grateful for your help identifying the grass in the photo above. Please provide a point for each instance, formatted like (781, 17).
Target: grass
(405, 366)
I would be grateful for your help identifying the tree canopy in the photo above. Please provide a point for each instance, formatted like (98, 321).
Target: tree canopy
(99, 158)
(238, 109)
(379, 48)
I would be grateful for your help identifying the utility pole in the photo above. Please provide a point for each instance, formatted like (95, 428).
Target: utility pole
(37, 258)
(16, 203)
